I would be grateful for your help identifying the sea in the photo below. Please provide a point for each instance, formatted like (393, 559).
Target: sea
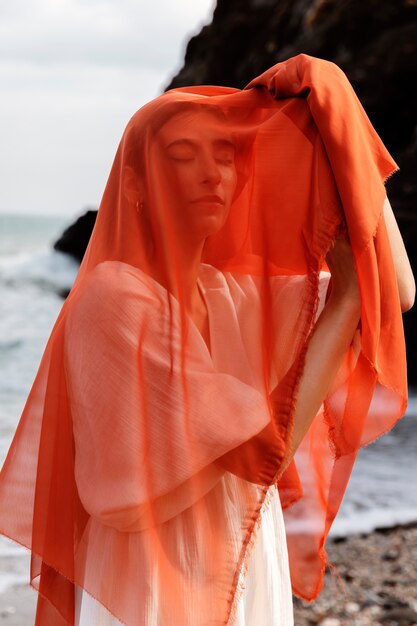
(381, 491)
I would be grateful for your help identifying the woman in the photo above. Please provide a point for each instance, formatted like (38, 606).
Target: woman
(202, 375)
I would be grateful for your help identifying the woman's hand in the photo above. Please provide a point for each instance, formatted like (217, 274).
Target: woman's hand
(340, 262)
(344, 281)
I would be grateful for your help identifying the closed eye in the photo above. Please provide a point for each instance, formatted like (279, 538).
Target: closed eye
(181, 149)
(185, 150)
(225, 151)
(179, 154)
(225, 156)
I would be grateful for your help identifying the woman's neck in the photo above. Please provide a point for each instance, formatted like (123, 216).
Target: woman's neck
(179, 275)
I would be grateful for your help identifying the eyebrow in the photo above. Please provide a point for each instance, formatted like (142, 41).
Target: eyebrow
(189, 142)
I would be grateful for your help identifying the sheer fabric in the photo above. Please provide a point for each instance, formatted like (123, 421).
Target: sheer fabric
(146, 451)
(267, 596)
(232, 303)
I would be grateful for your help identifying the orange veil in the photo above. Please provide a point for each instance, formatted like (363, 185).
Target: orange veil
(148, 446)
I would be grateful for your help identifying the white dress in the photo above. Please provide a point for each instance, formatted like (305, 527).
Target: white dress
(267, 595)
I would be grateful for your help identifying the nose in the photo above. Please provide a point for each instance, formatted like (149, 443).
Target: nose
(210, 172)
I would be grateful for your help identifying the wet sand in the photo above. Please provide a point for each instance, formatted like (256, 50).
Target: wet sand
(17, 606)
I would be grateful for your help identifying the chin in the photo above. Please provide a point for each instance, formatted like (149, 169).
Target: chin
(211, 225)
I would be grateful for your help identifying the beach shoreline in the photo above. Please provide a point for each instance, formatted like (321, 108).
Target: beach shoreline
(378, 570)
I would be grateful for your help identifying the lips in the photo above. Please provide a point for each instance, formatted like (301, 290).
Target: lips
(210, 198)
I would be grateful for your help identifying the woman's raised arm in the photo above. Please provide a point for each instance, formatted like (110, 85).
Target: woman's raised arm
(329, 341)
(405, 278)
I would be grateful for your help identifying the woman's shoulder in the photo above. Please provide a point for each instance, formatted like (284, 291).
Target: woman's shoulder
(114, 289)
(115, 271)
(117, 278)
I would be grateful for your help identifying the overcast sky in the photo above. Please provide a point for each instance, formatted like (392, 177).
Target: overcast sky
(72, 73)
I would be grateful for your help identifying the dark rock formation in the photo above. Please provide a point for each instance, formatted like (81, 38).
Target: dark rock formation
(75, 238)
(373, 41)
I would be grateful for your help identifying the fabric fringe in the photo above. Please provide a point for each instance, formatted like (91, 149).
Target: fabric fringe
(245, 559)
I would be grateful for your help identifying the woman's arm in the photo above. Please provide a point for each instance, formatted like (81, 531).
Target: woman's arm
(330, 339)
(337, 324)
(405, 278)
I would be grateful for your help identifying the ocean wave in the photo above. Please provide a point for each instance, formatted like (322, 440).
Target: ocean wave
(14, 563)
(367, 521)
(46, 268)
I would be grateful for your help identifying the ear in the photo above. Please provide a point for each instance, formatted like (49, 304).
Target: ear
(133, 188)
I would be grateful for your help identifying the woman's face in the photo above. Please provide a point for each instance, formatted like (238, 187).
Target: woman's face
(197, 153)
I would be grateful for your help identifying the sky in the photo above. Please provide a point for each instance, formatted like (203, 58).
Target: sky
(72, 73)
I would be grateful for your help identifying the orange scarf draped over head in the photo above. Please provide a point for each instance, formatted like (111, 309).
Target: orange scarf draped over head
(149, 443)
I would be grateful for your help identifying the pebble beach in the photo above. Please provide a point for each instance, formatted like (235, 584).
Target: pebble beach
(379, 576)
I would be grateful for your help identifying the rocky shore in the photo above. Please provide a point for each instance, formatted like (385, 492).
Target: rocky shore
(378, 572)
(379, 576)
